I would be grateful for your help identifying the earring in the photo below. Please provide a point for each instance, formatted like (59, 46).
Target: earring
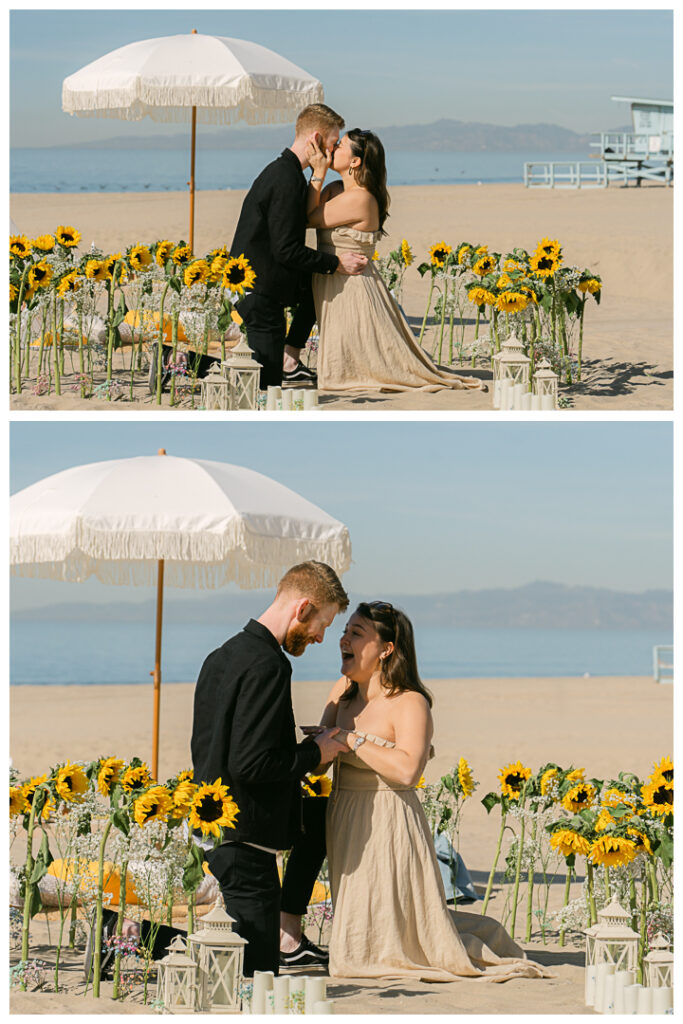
(350, 171)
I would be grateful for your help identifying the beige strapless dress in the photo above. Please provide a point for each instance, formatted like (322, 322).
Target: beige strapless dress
(390, 914)
(365, 341)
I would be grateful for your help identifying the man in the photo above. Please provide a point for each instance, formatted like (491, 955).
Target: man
(271, 233)
(244, 734)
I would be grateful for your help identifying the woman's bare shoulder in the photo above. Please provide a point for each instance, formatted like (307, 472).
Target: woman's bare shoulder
(409, 702)
(334, 188)
(338, 688)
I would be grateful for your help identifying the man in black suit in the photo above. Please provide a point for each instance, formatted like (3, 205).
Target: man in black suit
(271, 233)
(244, 734)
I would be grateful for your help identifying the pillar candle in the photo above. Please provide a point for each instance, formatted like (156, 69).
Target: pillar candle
(271, 398)
(316, 992)
(621, 980)
(525, 402)
(280, 993)
(298, 398)
(589, 985)
(324, 1006)
(662, 999)
(270, 1001)
(517, 392)
(297, 990)
(631, 998)
(263, 982)
(535, 403)
(505, 394)
(644, 1000)
(310, 398)
(496, 393)
(601, 973)
(287, 399)
(608, 994)
(547, 403)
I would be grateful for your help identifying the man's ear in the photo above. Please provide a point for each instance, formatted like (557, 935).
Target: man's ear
(303, 610)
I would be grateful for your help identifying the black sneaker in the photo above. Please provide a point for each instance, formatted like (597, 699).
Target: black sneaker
(306, 954)
(107, 953)
(301, 374)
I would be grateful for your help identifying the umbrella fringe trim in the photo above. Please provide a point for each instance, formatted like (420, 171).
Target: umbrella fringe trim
(216, 105)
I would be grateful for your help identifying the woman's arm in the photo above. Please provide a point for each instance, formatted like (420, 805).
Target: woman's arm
(328, 718)
(346, 208)
(413, 727)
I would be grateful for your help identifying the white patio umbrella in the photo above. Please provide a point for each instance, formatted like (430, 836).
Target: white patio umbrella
(188, 77)
(183, 522)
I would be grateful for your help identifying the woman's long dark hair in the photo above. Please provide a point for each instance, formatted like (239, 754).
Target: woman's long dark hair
(372, 173)
(399, 669)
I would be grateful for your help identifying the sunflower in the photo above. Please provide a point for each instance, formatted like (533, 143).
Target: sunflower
(579, 797)
(421, 783)
(462, 253)
(28, 791)
(512, 778)
(67, 236)
(71, 783)
(19, 245)
(529, 292)
(642, 843)
(481, 296)
(604, 820)
(504, 282)
(511, 264)
(318, 785)
(68, 283)
(511, 302)
(375, 256)
(182, 797)
(96, 270)
(484, 265)
(187, 775)
(40, 275)
(17, 801)
(108, 774)
(181, 255)
(154, 805)
(568, 842)
(543, 265)
(658, 796)
(217, 267)
(13, 291)
(238, 275)
(406, 253)
(548, 782)
(548, 247)
(575, 775)
(222, 251)
(135, 778)
(139, 257)
(465, 778)
(612, 851)
(213, 809)
(590, 284)
(163, 251)
(109, 263)
(196, 273)
(612, 797)
(481, 250)
(438, 254)
(45, 243)
(665, 768)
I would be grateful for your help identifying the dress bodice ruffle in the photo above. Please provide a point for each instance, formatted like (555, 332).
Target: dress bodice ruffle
(343, 239)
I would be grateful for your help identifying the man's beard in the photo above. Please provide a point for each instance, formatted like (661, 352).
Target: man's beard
(296, 640)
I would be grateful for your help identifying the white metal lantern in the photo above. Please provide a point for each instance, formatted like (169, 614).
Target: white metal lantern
(513, 365)
(545, 385)
(219, 954)
(177, 979)
(243, 373)
(510, 345)
(612, 940)
(215, 391)
(659, 964)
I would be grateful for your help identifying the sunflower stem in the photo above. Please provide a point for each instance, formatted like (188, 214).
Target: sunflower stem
(642, 940)
(608, 888)
(476, 334)
(55, 348)
(530, 880)
(17, 358)
(160, 351)
(119, 928)
(518, 872)
(652, 871)
(593, 914)
(583, 306)
(97, 957)
(41, 347)
(567, 884)
(489, 885)
(429, 303)
(29, 886)
(565, 347)
(633, 902)
(175, 316)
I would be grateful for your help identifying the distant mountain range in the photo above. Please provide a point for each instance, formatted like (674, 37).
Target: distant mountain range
(535, 606)
(443, 136)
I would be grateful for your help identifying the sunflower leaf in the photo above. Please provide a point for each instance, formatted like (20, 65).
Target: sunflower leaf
(42, 861)
(176, 284)
(193, 872)
(121, 822)
(490, 800)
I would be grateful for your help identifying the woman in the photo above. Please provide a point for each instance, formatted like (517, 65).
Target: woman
(390, 913)
(365, 342)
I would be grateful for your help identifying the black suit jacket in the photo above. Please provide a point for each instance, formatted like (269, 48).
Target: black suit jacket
(271, 232)
(243, 732)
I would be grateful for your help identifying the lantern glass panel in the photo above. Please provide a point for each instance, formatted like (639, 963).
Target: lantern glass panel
(244, 388)
(221, 977)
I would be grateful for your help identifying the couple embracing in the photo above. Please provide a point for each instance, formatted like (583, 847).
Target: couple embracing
(390, 913)
(365, 341)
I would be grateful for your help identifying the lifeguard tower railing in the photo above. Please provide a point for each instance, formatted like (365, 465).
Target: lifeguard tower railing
(663, 663)
(634, 146)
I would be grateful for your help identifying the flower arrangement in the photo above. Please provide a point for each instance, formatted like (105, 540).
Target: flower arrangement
(113, 824)
(89, 303)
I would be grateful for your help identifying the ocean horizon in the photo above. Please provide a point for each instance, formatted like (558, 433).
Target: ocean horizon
(64, 169)
(91, 654)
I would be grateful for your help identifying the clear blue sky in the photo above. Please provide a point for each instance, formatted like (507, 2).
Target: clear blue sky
(378, 67)
(430, 506)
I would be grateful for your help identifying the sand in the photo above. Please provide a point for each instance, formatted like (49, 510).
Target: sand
(624, 234)
(602, 724)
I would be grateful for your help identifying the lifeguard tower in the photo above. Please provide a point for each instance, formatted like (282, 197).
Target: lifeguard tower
(644, 154)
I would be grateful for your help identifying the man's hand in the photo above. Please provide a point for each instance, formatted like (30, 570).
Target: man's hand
(352, 263)
(330, 744)
(318, 158)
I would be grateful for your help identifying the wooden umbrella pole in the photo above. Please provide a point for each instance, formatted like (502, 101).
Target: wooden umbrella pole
(191, 181)
(157, 661)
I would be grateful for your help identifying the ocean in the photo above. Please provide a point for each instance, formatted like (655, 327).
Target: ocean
(50, 653)
(160, 170)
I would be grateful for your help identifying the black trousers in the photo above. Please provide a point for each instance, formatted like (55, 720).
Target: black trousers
(264, 319)
(306, 858)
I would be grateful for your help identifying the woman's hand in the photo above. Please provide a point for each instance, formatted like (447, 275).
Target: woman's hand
(319, 159)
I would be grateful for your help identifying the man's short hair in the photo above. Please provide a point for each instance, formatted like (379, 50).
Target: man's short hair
(316, 581)
(318, 118)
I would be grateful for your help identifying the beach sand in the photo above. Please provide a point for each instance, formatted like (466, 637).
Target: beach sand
(623, 234)
(604, 725)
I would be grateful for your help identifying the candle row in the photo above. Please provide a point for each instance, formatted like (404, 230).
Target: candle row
(288, 994)
(610, 991)
(288, 399)
(509, 395)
